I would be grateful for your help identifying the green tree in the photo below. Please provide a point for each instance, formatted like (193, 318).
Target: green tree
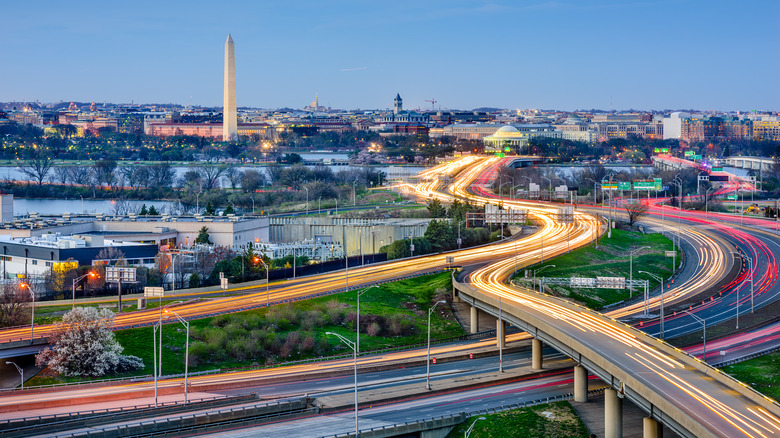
(143, 211)
(435, 209)
(203, 236)
(210, 210)
(228, 210)
(153, 211)
(194, 280)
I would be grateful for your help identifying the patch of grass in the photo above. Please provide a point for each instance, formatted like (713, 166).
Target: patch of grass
(611, 259)
(553, 420)
(760, 373)
(297, 330)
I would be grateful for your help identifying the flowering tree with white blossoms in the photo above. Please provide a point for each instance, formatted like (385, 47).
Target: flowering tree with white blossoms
(84, 345)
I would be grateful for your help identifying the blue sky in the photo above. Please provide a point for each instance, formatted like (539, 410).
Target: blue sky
(707, 55)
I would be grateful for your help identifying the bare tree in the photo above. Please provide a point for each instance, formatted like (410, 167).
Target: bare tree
(61, 175)
(635, 210)
(211, 175)
(14, 305)
(37, 165)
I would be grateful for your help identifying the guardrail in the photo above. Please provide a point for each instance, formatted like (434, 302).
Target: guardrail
(203, 421)
(62, 422)
(449, 420)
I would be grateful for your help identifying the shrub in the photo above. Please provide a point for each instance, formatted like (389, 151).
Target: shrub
(373, 329)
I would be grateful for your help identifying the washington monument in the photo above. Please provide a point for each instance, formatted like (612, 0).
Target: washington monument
(229, 115)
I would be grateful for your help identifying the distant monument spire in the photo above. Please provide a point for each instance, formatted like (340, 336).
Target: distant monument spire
(229, 111)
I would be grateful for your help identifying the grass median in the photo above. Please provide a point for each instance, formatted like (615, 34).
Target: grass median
(611, 259)
(542, 421)
(391, 315)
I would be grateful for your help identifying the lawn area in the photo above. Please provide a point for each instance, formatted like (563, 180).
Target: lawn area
(392, 314)
(611, 259)
(553, 420)
(760, 373)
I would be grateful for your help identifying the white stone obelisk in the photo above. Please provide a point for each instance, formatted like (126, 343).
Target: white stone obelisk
(229, 112)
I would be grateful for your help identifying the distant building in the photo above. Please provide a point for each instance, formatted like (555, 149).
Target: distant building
(673, 125)
(400, 116)
(766, 128)
(28, 257)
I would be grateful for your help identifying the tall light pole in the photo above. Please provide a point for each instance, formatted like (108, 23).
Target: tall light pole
(357, 327)
(157, 370)
(428, 362)
(662, 297)
(351, 345)
(21, 371)
(631, 267)
(76, 280)
(337, 205)
(267, 279)
(549, 192)
(540, 270)
(500, 341)
(307, 199)
(186, 350)
(703, 322)
(468, 431)
(594, 189)
(354, 192)
(738, 287)
(706, 193)
(32, 317)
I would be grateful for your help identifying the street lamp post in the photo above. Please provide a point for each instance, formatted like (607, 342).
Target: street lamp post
(703, 322)
(662, 297)
(267, 279)
(186, 350)
(32, 316)
(351, 345)
(76, 280)
(18, 368)
(307, 199)
(549, 192)
(357, 328)
(468, 431)
(706, 193)
(354, 192)
(594, 189)
(428, 362)
(157, 370)
(631, 268)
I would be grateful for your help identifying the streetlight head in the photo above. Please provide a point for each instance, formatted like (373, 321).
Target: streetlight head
(329, 333)
(24, 285)
(8, 363)
(441, 302)
(481, 418)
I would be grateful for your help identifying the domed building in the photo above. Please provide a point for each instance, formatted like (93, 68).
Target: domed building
(514, 138)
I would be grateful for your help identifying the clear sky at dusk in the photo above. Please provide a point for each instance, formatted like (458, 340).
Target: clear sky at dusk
(707, 55)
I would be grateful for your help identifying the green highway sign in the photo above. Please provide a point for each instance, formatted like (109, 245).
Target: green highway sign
(731, 197)
(717, 169)
(658, 183)
(609, 185)
(661, 150)
(689, 153)
(697, 158)
(644, 185)
(624, 185)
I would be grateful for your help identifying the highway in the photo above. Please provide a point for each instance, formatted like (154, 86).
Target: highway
(717, 410)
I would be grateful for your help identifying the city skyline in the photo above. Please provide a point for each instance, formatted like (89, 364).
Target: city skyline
(603, 55)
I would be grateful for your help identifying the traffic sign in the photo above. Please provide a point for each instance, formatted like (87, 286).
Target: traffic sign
(115, 275)
(717, 169)
(671, 253)
(731, 197)
(624, 185)
(689, 153)
(153, 292)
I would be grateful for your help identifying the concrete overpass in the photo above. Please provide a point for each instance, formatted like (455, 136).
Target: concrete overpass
(675, 389)
(667, 162)
(754, 163)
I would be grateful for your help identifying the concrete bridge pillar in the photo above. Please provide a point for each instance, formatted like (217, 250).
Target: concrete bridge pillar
(613, 414)
(455, 296)
(580, 384)
(500, 333)
(536, 354)
(651, 428)
(474, 319)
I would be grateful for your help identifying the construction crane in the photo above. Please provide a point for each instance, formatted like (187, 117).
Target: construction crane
(433, 103)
